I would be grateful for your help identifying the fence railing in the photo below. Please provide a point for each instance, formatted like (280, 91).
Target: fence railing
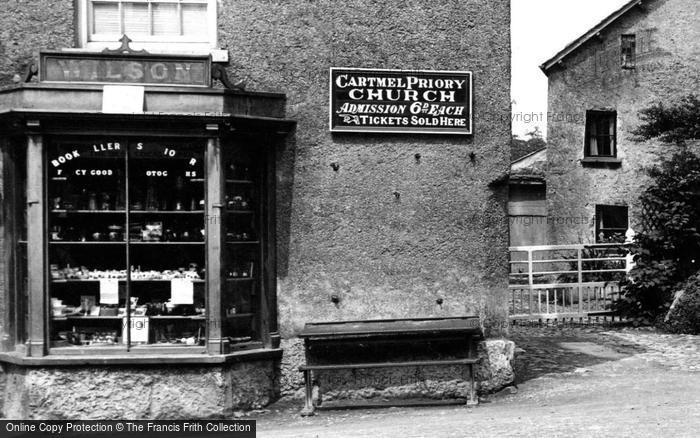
(566, 281)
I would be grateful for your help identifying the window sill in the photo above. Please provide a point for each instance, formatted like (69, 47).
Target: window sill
(601, 162)
(142, 359)
(218, 55)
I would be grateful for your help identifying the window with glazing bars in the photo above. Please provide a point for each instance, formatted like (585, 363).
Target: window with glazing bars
(628, 51)
(601, 134)
(149, 20)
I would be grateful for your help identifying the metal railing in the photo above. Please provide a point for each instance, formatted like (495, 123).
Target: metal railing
(566, 281)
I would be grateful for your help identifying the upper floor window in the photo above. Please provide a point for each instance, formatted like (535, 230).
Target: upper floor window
(628, 51)
(601, 134)
(149, 22)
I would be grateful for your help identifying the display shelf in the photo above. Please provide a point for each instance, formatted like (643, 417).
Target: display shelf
(175, 212)
(86, 318)
(242, 242)
(63, 211)
(240, 181)
(232, 211)
(140, 242)
(97, 318)
(180, 317)
(235, 279)
(96, 280)
(87, 242)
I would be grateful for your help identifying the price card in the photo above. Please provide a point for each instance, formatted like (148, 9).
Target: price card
(181, 291)
(109, 291)
(139, 329)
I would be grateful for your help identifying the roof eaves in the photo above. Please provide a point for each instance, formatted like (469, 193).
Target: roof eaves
(535, 152)
(595, 30)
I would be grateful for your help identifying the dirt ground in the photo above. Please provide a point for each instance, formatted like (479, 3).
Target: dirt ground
(572, 381)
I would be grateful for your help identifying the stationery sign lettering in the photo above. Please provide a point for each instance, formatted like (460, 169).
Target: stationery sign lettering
(400, 101)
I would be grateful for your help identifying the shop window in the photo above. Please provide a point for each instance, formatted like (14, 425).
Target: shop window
(628, 51)
(601, 134)
(150, 21)
(612, 222)
(127, 245)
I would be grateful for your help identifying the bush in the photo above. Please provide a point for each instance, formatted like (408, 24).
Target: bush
(684, 315)
(667, 252)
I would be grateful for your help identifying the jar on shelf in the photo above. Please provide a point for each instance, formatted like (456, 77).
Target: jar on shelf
(105, 204)
(92, 201)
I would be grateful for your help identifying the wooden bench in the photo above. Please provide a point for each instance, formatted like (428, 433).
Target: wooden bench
(388, 343)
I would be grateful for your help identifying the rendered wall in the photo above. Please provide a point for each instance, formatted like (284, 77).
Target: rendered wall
(344, 233)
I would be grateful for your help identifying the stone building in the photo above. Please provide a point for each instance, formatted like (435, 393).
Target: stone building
(360, 225)
(527, 204)
(645, 52)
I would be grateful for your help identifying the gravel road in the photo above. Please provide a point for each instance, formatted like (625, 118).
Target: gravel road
(572, 382)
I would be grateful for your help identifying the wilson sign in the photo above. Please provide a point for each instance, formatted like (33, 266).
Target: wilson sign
(131, 69)
(400, 101)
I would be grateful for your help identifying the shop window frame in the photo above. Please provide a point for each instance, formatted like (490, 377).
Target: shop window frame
(32, 346)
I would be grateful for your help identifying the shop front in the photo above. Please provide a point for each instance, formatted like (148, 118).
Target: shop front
(139, 238)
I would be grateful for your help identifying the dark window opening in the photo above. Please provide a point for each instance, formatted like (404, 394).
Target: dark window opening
(611, 222)
(628, 51)
(601, 134)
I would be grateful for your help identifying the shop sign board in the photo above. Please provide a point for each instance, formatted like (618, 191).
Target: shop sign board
(400, 101)
(132, 69)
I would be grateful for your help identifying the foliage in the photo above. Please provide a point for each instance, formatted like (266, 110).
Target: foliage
(519, 147)
(592, 253)
(673, 124)
(667, 250)
(684, 315)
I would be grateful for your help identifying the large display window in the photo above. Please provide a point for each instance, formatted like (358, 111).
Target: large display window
(126, 245)
(142, 244)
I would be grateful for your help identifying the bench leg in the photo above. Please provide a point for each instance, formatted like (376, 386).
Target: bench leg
(308, 400)
(473, 400)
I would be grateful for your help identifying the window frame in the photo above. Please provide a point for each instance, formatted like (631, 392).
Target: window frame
(31, 339)
(599, 212)
(628, 52)
(594, 116)
(169, 43)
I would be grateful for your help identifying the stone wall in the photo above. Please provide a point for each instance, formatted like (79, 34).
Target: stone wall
(148, 392)
(493, 372)
(668, 61)
(29, 26)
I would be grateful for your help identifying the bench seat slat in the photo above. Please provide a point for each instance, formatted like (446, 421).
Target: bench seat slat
(387, 364)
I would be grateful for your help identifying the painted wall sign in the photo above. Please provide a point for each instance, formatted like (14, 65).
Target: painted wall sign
(400, 101)
(125, 69)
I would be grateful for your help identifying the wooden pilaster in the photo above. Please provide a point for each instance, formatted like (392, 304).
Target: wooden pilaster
(36, 244)
(214, 235)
